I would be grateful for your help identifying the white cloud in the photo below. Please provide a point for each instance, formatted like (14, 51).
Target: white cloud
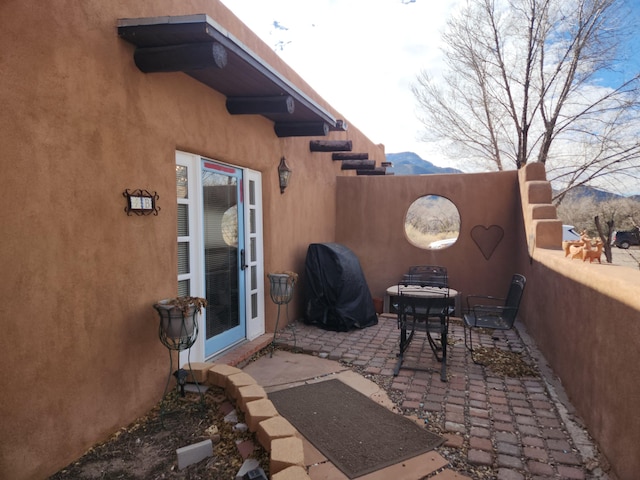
(360, 55)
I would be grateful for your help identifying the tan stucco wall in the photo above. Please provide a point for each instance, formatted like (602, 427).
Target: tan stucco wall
(79, 124)
(585, 319)
(371, 214)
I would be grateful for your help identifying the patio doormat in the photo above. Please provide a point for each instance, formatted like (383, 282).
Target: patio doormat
(355, 433)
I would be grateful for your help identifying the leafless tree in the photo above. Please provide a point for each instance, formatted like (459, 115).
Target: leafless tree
(580, 211)
(523, 82)
(605, 236)
(585, 212)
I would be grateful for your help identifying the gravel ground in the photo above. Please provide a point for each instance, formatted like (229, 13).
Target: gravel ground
(627, 258)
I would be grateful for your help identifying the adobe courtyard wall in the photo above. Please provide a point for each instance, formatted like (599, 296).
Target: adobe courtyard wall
(371, 215)
(585, 319)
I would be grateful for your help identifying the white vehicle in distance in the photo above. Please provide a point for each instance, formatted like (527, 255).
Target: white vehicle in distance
(438, 244)
(569, 234)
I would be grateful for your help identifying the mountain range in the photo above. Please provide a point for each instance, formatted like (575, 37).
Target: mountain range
(409, 163)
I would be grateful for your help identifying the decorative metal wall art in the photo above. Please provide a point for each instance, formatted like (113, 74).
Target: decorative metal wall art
(141, 202)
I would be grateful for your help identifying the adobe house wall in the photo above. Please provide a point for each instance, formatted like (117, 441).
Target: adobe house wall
(79, 124)
(585, 319)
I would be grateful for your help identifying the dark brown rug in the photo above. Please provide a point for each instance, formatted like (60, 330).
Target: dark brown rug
(356, 434)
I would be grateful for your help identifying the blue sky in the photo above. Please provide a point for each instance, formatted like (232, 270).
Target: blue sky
(363, 55)
(630, 55)
(359, 55)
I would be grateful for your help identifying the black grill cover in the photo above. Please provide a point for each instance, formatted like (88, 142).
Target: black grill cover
(338, 297)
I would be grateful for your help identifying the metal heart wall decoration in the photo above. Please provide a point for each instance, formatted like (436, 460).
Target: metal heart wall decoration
(487, 238)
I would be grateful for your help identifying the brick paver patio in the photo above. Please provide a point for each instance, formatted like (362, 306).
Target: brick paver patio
(500, 427)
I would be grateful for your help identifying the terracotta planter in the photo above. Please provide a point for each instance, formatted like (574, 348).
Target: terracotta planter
(378, 304)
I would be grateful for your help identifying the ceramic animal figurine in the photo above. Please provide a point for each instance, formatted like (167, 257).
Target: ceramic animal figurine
(594, 254)
(578, 250)
(566, 246)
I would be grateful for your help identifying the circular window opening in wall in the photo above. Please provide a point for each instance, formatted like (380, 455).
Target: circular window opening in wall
(432, 222)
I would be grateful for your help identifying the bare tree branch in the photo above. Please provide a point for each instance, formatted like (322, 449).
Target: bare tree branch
(524, 83)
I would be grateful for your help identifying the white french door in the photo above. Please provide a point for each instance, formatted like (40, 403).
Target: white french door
(220, 250)
(254, 266)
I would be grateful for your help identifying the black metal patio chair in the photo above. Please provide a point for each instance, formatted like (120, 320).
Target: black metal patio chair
(494, 313)
(424, 305)
(426, 275)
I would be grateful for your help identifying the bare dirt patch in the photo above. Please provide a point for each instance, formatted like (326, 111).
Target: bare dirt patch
(146, 449)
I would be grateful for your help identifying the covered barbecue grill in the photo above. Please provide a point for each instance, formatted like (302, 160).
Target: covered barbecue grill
(337, 294)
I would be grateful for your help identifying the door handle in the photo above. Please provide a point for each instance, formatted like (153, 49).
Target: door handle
(243, 266)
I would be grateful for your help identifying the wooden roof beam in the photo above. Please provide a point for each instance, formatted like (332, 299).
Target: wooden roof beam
(178, 58)
(358, 164)
(330, 145)
(350, 156)
(374, 171)
(301, 129)
(204, 50)
(260, 105)
(341, 126)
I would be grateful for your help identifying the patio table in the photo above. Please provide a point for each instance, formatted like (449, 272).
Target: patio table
(391, 299)
(417, 306)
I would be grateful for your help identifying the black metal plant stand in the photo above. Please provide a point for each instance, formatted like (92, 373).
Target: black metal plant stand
(281, 291)
(178, 331)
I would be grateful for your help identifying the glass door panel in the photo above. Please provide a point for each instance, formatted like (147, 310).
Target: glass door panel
(223, 241)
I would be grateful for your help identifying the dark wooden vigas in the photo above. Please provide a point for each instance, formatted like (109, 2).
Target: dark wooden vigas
(199, 47)
(301, 129)
(260, 105)
(350, 156)
(373, 171)
(358, 164)
(330, 145)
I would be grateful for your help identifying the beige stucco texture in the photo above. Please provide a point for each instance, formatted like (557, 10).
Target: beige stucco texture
(79, 125)
(371, 221)
(584, 317)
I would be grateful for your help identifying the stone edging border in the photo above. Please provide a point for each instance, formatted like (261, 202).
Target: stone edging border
(276, 435)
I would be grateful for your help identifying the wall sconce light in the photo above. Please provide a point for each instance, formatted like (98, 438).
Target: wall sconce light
(284, 172)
